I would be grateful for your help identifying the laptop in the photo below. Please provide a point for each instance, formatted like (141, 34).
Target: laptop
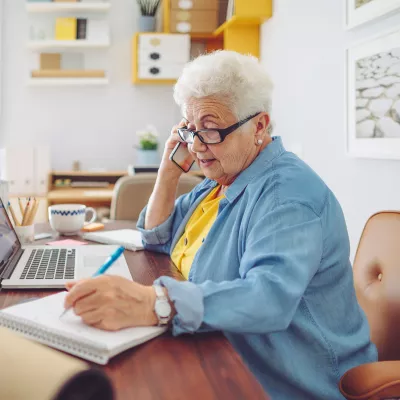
(35, 267)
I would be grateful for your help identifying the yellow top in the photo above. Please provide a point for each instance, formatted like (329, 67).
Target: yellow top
(196, 231)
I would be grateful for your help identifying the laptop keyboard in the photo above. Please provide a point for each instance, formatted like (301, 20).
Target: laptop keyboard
(50, 264)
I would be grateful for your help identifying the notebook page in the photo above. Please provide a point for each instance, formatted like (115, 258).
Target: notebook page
(120, 236)
(46, 312)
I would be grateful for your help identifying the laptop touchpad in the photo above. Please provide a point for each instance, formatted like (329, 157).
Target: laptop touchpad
(96, 262)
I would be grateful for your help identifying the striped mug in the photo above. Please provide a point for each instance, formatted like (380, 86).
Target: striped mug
(69, 219)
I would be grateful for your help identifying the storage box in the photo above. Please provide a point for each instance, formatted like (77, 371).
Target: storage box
(194, 4)
(50, 61)
(197, 21)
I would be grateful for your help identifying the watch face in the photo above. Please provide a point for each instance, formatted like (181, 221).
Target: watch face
(163, 309)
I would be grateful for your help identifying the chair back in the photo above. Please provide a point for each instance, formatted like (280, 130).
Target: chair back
(377, 281)
(131, 194)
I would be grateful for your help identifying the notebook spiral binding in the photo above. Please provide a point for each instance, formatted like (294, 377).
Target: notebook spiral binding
(49, 337)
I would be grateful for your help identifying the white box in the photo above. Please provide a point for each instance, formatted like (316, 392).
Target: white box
(17, 169)
(26, 169)
(42, 168)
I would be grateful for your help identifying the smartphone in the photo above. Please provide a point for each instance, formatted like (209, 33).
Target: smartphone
(181, 157)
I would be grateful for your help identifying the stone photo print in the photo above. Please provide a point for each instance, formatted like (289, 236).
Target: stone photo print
(378, 95)
(360, 3)
(361, 12)
(373, 107)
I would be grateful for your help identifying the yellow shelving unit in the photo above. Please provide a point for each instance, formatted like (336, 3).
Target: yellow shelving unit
(135, 67)
(240, 33)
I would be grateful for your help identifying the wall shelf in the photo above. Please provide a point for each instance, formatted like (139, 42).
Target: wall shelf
(68, 81)
(66, 44)
(237, 21)
(59, 7)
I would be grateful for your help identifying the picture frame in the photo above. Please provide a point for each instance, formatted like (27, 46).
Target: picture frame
(362, 11)
(373, 98)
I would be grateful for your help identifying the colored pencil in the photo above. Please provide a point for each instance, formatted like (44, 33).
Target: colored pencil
(21, 208)
(14, 217)
(34, 212)
(26, 212)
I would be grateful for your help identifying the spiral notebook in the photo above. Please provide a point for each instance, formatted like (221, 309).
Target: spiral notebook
(40, 321)
(131, 239)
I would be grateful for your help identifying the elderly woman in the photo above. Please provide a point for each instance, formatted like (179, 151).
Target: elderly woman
(262, 243)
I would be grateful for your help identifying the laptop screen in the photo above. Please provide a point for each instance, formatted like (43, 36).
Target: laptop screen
(9, 243)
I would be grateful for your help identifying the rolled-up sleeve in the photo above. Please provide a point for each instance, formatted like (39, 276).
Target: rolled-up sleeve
(282, 253)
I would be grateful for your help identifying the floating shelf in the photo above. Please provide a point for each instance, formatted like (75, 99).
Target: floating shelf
(234, 21)
(201, 36)
(66, 44)
(58, 7)
(68, 81)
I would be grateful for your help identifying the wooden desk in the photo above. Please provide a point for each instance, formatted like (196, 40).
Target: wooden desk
(202, 366)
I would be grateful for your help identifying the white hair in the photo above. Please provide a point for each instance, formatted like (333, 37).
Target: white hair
(237, 80)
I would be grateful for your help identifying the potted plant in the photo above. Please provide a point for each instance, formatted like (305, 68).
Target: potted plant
(147, 151)
(147, 19)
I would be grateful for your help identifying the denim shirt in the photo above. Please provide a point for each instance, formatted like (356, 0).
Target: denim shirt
(274, 275)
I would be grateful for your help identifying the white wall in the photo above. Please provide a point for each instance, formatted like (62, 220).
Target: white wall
(95, 125)
(303, 48)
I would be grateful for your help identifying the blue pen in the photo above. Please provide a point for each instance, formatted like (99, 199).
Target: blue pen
(107, 264)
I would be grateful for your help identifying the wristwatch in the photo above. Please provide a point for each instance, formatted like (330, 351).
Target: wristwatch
(162, 308)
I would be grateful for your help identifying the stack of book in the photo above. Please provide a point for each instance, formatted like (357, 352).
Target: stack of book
(70, 28)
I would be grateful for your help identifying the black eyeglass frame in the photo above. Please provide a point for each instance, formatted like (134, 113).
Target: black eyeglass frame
(223, 133)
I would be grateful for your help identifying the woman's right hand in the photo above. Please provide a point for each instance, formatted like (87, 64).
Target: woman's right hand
(167, 166)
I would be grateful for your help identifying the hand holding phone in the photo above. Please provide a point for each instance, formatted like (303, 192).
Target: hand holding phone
(181, 157)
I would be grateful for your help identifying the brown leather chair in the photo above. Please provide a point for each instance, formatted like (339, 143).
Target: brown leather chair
(377, 284)
(131, 194)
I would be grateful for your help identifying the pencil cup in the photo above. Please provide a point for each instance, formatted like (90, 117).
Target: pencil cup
(26, 234)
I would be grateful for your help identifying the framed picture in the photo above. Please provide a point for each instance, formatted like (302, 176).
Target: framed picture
(362, 11)
(373, 98)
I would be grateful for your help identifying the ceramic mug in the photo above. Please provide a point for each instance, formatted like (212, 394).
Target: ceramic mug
(69, 219)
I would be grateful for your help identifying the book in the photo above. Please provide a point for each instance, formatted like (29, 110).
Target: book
(130, 239)
(81, 28)
(230, 12)
(40, 321)
(65, 28)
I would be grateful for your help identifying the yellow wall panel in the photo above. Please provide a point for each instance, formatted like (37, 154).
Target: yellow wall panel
(253, 8)
(244, 39)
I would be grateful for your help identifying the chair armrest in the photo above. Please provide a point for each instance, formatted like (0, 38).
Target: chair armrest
(373, 381)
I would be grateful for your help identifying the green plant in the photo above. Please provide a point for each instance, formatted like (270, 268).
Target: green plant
(148, 139)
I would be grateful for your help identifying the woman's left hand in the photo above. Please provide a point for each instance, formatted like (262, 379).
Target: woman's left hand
(112, 302)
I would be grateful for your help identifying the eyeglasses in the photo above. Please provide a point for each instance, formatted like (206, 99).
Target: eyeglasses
(211, 136)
